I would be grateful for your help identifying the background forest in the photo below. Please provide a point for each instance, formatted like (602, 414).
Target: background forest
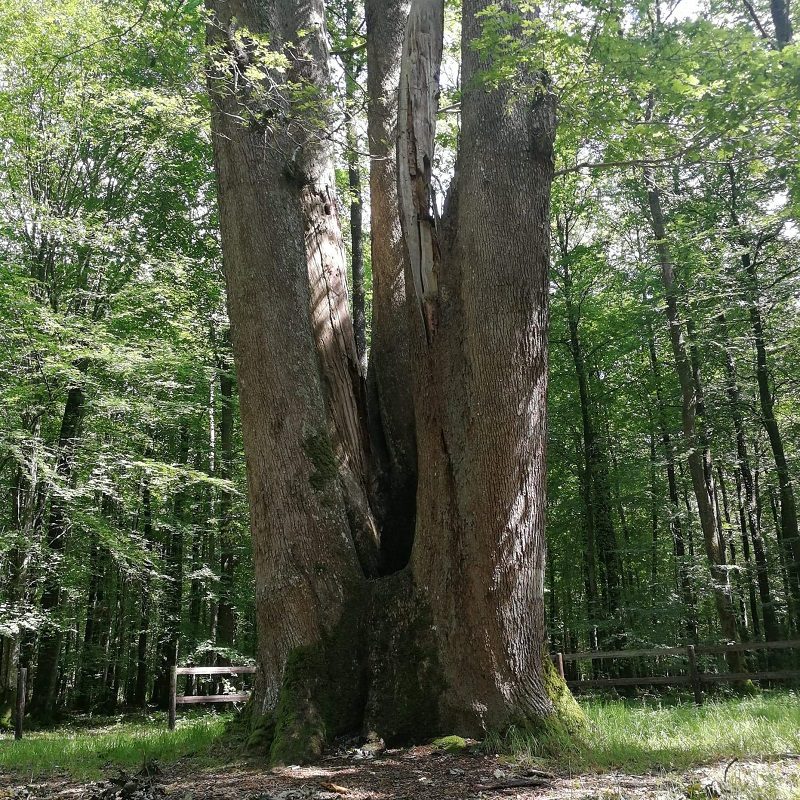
(674, 341)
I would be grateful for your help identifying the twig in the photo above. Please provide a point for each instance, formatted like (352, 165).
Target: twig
(730, 764)
(513, 783)
(102, 39)
(752, 13)
(540, 773)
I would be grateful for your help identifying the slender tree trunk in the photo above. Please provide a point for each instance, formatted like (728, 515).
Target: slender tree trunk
(771, 628)
(26, 493)
(171, 619)
(675, 525)
(89, 660)
(654, 495)
(789, 532)
(788, 509)
(226, 617)
(726, 532)
(45, 683)
(699, 457)
(751, 589)
(598, 493)
(145, 602)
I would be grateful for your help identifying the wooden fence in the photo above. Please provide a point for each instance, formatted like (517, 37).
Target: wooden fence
(192, 699)
(695, 677)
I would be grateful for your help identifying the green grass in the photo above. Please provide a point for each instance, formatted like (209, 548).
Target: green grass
(633, 737)
(82, 749)
(641, 737)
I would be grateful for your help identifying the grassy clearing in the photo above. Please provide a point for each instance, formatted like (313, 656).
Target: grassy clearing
(626, 736)
(642, 736)
(127, 743)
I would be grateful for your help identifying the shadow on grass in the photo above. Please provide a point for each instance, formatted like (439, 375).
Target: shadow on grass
(86, 745)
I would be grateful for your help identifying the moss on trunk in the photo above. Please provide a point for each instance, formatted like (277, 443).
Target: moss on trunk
(378, 672)
(322, 695)
(406, 681)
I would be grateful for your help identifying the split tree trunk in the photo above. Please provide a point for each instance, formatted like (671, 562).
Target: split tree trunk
(391, 407)
(455, 642)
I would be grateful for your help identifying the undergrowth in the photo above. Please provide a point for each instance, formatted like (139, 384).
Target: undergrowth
(82, 751)
(650, 735)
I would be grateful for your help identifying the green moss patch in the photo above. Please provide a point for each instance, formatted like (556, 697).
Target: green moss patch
(450, 744)
(323, 692)
(406, 678)
(317, 446)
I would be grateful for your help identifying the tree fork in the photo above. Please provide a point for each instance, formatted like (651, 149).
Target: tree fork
(461, 630)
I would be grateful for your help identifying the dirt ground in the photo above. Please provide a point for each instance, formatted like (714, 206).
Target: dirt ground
(416, 774)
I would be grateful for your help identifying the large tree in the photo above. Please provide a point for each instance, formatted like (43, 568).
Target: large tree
(445, 634)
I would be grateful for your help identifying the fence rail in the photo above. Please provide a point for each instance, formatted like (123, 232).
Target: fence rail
(695, 678)
(195, 699)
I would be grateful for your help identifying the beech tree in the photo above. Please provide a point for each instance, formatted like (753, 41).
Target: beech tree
(454, 640)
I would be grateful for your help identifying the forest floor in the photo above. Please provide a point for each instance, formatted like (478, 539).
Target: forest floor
(739, 749)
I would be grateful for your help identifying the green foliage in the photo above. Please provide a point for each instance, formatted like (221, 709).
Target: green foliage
(109, 280)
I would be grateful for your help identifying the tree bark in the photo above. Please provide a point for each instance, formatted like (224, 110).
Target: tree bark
(391, 406)
(300, 385)
(455, 642)
(480, 379)
(779, 9)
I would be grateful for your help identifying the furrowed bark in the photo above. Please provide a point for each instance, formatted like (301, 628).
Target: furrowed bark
(417, 108)
(455, 642)
(293, 343)
(480, 376)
